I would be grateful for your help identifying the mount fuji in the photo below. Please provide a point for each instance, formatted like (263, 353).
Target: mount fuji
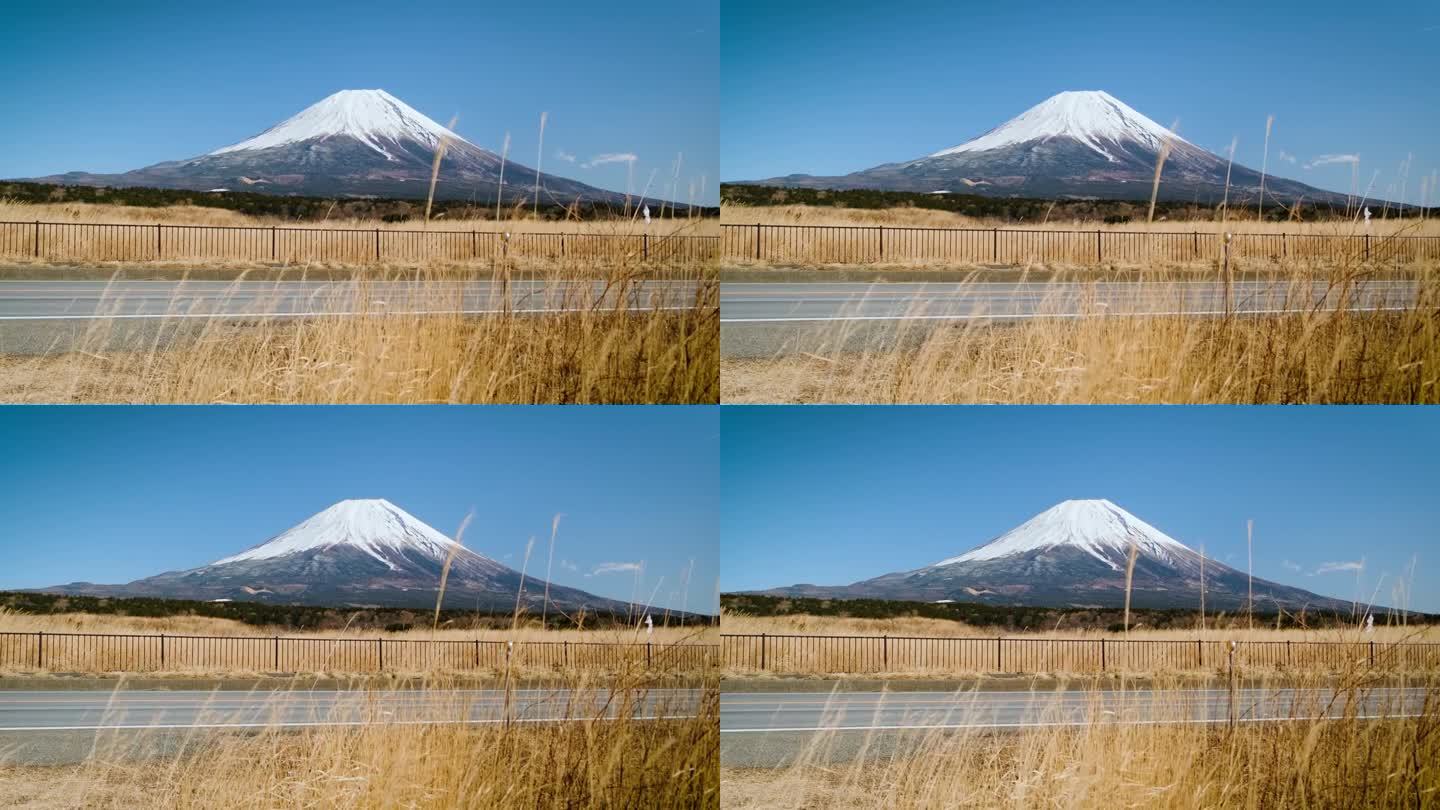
(1079, 144)
(356, 143)
(356, 553)
(1074, 554)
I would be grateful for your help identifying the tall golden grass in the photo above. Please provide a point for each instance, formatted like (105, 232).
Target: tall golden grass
(615, 343)
(1321, 353)
(1344, 761)
(606, 754)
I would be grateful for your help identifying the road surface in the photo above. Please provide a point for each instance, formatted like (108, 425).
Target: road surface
(62, 726)
(770, 729)
(38, 317)
(762, 319)
(59, 300)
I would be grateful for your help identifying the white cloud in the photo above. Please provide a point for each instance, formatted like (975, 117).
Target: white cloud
(1291, 566)
(1325, 160)
(1286, 156)
(609, 157)
(615, 568)
(569, 566)
(1343, 565)
(561, 154)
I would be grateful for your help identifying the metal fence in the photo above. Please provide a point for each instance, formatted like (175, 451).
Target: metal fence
(860, 654)
(64, 241)
(108, 652)
(852, 244)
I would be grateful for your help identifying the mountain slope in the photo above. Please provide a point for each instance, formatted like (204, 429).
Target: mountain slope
(1076, 144)
(355, 553)
(1074, 555)
(353, 143)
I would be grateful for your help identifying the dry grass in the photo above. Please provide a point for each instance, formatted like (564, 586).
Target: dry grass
(1318, 354)
(731, 213)
(1342, 762)
(208, 646)
(940, 628)
(590, 761)
(601, 350)
(911, 647)
(518, 220)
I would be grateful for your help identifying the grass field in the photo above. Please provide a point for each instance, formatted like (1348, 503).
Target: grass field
(1237, 221)
(1342, 762)
(590, 761)
(920, 647)
(518, 220)
(1314, 355)
(232, 648)
(601, 351)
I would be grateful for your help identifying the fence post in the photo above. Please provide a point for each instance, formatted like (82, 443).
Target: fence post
(477, 653)
(645, 246)
(762, 650)
(1367, 247)
(40, 650)
(885, 651)
(380, 646)
(647, 655)
(277, 653)
(1195, 244)
(377, 244)
(1098, 258)
(995, 245)
(1372, 655)
(881, 229)
(1102, 655)
(998, 667)
(157, 241)
(1284, 245)
(1199, 653)
(757, 241)
(273, 253)
(162, 650)
(567, 653)
(37, 238)
(474, 248)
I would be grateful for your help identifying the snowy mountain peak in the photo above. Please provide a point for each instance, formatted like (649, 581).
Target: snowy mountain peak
(373, 117)
(1092, 117)
(1098, 527)
(375, 526)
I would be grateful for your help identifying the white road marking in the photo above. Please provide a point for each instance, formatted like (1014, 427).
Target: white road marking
(1064, 724)
(1036, 315)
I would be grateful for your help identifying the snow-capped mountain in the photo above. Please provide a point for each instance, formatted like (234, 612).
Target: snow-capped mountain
(355, 553)
(1074, 554)
(1076, 144)
(353, 143)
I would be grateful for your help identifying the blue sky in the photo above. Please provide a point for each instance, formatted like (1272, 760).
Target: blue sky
(835, 495)
(116, 494)
(834, 87)
(108, 87)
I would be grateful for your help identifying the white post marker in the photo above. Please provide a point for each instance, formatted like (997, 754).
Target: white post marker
(649, 625)
(1370, 623)
(1367, 217)
(647, 215)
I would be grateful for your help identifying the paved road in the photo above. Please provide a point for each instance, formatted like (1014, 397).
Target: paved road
(59, 300)
(770, 729)
(762, 319)
(41, 317)
(64, 726)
